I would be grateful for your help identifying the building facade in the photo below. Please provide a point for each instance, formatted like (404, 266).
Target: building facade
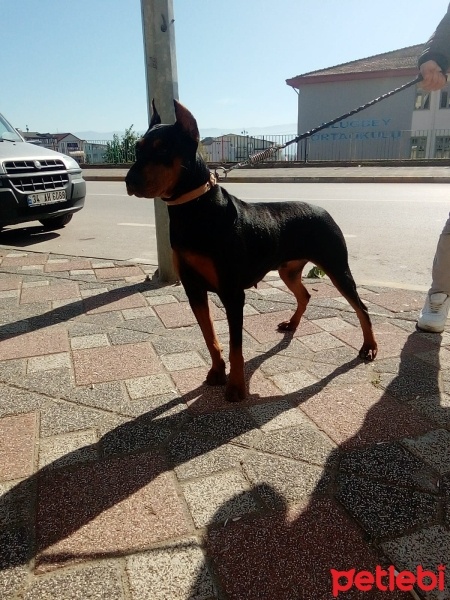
(67, 143)
(410, 124)
(233, 148)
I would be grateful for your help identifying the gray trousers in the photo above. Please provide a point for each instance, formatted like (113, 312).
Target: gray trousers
(441, 263)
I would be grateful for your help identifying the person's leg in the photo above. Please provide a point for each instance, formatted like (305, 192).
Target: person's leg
(434, 313)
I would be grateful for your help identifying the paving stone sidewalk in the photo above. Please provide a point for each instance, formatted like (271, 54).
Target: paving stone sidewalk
(124, 477)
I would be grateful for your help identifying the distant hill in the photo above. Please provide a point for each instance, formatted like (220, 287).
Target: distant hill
(272, 130)
(97, 135)
(290, 128)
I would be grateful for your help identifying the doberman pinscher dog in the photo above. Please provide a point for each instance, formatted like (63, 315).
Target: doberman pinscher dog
(224, 245)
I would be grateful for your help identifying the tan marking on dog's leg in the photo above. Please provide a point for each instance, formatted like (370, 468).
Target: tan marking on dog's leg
(216, 375)
(347, 288)
(291, 274)
(236, 388)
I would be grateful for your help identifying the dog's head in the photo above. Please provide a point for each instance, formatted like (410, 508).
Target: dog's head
(162, 154)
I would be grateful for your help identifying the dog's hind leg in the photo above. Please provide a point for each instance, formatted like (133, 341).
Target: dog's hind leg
(345, 284)
(233, 301)
(291, 273)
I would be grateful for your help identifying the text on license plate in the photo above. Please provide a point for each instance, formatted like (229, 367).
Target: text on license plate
(47, 197)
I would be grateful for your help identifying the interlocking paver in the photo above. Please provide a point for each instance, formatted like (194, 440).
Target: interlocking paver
(204, 398)
(177, 572)
(264, 327)
(17, 445)
(193, 456)
(300, 442)
(118, 272)
(289, 554)
(219, 497)
(386, 510)
(10, 284)
(67, 449)
(97, 581)
(34, 343)
(110, 301)
(434, 448)
(152, 385)
(21, 260)
(182, 360)
(89, 341)
(181, 315)
(66, 265)
(111, 363)
(398, 300)
(278, 478)
(46, 363)
(166, 299)
(373, 417)
(102, 509)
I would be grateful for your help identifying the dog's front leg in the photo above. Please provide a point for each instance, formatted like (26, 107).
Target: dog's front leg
(198, 300)
(234, 307)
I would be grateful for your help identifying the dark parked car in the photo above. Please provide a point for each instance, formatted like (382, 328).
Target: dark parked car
(37, 184)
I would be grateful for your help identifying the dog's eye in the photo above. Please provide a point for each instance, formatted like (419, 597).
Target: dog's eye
(162, 150)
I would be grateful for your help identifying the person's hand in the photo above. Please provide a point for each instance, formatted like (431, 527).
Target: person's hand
(433, 77)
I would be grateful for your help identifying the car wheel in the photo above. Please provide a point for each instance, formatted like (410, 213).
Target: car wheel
(56, 222)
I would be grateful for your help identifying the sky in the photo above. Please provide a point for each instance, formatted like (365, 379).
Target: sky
(72, 66)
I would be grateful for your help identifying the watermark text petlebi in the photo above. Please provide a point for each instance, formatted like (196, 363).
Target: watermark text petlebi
(388, 580)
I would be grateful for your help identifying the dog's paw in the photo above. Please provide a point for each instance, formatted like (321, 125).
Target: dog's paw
(368, 352)
(216, 377)
(235, 392)
(286, 326)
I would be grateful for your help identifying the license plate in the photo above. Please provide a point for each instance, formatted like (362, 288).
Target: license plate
(47, 198)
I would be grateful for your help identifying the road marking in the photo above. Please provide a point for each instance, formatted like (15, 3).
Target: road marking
(137, 224)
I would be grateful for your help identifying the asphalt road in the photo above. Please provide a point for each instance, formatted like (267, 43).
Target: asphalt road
(391, 229)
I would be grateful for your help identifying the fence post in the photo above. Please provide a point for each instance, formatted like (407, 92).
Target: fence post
(162, 85)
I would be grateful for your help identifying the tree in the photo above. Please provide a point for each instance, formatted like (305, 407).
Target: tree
(122, 149)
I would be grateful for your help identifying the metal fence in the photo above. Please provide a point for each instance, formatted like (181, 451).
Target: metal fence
(324, 146)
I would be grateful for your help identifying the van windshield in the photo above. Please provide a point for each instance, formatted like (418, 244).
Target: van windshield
(7, 132)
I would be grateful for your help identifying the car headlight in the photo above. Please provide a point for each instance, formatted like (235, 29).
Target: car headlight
(71, 163)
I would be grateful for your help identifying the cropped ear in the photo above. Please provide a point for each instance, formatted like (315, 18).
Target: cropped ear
(156, 119)
(186, 121)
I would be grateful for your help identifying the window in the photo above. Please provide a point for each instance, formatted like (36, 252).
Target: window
(422, 100)
(445, 99)
(442, 149)
(418, 146)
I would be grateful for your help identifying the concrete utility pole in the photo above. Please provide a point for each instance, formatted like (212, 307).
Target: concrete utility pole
(162, 85)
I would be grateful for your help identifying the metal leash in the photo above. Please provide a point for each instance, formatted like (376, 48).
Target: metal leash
(260, 156)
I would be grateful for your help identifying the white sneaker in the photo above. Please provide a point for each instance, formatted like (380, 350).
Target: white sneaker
(433, 315)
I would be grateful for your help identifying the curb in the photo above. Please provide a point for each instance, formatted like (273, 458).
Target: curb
(323, 179)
